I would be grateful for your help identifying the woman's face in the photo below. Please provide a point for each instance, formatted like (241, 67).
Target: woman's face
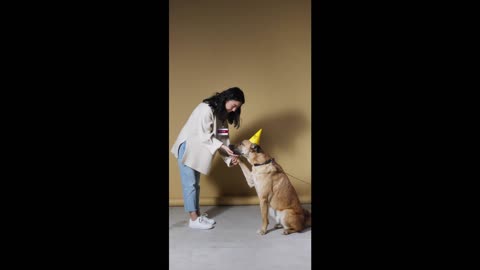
(232, 105)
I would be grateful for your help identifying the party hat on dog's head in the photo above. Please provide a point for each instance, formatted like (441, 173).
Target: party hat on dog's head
(256, 138)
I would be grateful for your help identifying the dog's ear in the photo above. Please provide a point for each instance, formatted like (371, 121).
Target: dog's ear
(256, 148)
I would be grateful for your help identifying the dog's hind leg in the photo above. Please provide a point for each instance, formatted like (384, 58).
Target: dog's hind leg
(292, 222)
(308, 217)
(288, 231)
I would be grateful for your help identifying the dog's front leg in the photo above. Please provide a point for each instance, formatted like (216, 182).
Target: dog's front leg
(264, 212)
(246, 173)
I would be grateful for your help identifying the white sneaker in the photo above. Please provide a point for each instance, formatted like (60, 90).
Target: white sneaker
(208, 220)
(199, 223)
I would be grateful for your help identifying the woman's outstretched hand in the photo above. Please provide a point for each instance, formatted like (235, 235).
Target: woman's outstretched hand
(229, 152)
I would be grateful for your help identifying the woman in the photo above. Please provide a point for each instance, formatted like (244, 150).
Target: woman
(205, 132)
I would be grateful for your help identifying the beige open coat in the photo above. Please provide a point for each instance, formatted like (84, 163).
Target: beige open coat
(200, 133)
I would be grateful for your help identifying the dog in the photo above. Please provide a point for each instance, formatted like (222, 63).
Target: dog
(277, 195)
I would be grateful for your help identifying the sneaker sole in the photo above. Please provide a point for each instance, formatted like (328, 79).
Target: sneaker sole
(201, 228)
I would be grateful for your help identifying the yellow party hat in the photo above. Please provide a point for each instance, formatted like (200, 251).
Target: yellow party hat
(256, 138)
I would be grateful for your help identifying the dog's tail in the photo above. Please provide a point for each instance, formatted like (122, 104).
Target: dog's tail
(308, 217)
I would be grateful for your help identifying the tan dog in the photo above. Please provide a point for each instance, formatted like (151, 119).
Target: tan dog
(277, 195)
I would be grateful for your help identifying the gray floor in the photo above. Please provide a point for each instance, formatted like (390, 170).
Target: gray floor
(234, 243)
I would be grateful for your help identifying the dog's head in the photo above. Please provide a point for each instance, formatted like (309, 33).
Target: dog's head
(246, 148)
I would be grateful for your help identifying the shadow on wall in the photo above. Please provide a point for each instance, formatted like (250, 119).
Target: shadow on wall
(278, 132)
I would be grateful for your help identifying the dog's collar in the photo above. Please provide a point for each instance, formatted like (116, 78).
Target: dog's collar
(266, 162)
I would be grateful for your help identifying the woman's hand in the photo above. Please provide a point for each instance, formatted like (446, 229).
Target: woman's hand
(235, 161)
(228, 151)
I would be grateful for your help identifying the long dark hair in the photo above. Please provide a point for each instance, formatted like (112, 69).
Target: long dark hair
(217, 103)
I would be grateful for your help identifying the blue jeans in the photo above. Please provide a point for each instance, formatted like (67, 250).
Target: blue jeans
(190, 183)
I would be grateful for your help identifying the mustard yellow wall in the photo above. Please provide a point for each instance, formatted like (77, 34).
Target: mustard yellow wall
(263, 47)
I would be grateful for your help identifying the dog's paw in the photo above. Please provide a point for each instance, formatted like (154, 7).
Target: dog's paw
(278, 226)
(288, 231)
(261, 232)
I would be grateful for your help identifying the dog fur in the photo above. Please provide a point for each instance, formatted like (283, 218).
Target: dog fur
(276, 194)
